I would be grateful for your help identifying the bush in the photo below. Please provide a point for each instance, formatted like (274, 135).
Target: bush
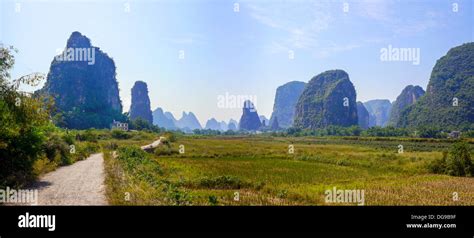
(138, 162)
(121, 135)
(140, 124)
(57, 150)
(165, 150)
(85, 149)
(171, 137)
(24, 122)
(223, 182)
(87, 135)
(458, 163)
(213, 200)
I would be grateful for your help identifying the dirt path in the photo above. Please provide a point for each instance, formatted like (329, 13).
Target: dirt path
(81, 183)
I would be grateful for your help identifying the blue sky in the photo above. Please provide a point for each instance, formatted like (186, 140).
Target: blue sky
(244, 53)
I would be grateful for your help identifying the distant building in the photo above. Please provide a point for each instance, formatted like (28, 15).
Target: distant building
(454, 134)
(119, 125)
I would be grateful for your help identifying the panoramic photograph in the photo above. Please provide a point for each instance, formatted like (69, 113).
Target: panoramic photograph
(236, 103)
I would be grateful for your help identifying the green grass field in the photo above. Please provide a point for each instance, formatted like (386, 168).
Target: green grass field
(261, 170)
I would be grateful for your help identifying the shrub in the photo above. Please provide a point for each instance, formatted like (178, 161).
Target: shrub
(121, 135)
(171, 137)
(87, 135)
(57, 150)
(438, 166)
(177, 196)
(165, 151)
(223, 182)
(85, 149)
(458, 163)
(213, 200)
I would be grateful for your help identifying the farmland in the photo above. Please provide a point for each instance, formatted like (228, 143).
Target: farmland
(266, 170)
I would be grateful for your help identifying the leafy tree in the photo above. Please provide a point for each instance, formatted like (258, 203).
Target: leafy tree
(458, 163)
(140, 124)
(25, 122)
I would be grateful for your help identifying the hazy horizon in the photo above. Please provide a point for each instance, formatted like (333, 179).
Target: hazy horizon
(249, 52)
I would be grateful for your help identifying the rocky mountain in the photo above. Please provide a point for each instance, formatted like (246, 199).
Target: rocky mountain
(160, 119)
(82, 81)
(275, 126)
(408, 97)
(263, 120)
(223, 126)
(286, 98)
(449, 98)
(363, 116)
(379, 111)
(249, 120)
(140, 107)
(328, 99)
(170, 116)
(213, 124)
(233, 125)
(188, 121)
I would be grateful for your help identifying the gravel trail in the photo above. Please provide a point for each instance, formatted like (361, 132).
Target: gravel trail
(81, 183)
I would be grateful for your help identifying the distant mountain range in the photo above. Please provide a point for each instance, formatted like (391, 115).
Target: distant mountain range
(86, 95)
(379, 112)
(189, 122)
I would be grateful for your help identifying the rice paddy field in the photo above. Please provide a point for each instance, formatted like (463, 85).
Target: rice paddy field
(264, 170)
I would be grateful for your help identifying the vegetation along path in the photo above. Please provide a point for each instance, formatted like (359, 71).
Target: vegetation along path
(79, 184)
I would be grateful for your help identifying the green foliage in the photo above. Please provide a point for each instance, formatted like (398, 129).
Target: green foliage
(86, 96)
(29, 142)
(120, 134)
(327, 131)
(138, 163)
(165, 151)
(140, 124)
(386, 132)
(24, 121)
(430, 132)
(206, 132)
(223, 182)
(177, 196)
(458, 163)
(58, 150)
(452, 77)
(322, 104)
(213, 200)
(170, 136)
(85, 149)
(87, 135)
